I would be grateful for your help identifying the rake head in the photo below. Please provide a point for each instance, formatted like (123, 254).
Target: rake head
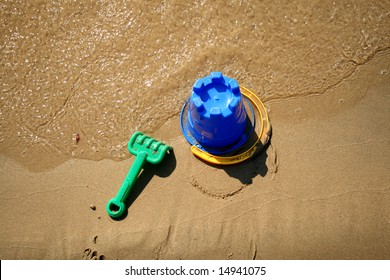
(155, 150)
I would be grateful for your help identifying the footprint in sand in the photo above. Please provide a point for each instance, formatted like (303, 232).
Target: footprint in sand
(92, 255)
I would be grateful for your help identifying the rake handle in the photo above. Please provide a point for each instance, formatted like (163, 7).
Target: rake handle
(116, 206)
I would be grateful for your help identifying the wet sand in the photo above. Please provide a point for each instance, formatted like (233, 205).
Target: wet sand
(320, 189)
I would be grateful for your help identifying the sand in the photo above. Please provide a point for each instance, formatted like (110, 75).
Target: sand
(319, 190)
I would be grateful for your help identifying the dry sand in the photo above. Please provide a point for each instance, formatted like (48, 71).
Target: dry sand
(320, 189)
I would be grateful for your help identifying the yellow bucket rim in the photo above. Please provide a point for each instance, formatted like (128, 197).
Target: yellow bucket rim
(263, 136)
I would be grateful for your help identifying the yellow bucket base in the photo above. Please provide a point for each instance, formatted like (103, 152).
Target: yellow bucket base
(263, 133)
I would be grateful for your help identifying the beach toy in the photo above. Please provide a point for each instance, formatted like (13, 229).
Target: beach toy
(225, 123)
(146, 149)
(216, 116)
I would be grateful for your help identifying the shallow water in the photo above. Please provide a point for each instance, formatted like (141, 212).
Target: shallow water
(78, 78)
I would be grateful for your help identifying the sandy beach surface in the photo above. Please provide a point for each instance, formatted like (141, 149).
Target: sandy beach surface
(78, 79)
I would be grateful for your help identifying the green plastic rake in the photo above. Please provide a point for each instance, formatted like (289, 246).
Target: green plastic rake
(145, 149)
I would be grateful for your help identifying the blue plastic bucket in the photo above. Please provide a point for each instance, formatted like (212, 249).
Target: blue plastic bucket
(216, 115)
